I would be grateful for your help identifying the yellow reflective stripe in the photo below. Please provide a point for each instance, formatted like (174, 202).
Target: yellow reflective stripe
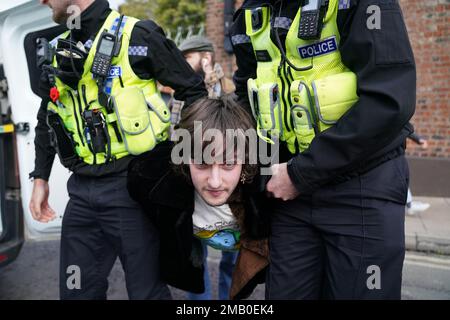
(111, 117)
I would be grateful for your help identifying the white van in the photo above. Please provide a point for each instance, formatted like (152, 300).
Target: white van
(21, 23)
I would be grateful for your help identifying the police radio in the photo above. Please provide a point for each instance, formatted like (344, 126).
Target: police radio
(311, 20)
(104, 55)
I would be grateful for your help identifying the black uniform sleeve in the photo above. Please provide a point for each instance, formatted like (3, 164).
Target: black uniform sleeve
(165, 63)
(384, 64)
(245, 58)
(45, 153)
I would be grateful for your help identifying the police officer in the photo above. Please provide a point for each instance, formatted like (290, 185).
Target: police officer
(335, 81)
(98, 123)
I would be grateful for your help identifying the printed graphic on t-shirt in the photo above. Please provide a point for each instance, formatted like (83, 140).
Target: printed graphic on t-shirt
(216, 226)
(225, 240)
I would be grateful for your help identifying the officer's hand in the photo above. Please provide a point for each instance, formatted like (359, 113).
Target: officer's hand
(39, 207)
(280, 185)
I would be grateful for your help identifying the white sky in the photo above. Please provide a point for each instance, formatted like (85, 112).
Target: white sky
(115, 3)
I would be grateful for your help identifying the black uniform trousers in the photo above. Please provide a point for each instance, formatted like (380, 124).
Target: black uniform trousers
(101, 223)
(345, 241)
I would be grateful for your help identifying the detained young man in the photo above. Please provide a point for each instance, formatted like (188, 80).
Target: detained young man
(205, 190)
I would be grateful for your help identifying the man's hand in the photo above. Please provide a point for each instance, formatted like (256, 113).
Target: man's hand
(208, 69)
(206, 65)
(280, 185)
(423, 143)
(39, 207)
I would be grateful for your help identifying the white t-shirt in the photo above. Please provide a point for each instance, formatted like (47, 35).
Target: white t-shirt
(216, 226)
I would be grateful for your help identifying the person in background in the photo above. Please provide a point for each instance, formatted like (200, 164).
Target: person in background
(413, 206)
(199, 53)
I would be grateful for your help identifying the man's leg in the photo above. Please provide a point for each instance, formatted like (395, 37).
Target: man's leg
(134, 236)
(296, 253)
(362, 221)
(226, 268)
(207, 294)
(86, 258)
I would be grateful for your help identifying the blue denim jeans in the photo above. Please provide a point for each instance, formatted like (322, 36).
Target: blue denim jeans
(225, 272)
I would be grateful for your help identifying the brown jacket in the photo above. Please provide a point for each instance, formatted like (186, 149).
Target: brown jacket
(252, 260)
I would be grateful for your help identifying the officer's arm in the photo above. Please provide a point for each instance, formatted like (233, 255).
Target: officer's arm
(45, 153)
(164, 62)
(245, 58)
(384, 64)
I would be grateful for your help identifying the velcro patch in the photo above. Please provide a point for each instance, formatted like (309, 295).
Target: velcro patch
(262, 56)
(319, 48)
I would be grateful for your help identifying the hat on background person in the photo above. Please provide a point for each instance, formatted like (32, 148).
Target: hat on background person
(196, 43)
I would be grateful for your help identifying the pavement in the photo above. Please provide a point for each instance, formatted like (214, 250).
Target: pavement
(429, 231)
(426, 271)
(34, 275)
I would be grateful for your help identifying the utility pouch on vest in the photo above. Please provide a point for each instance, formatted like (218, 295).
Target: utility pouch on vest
(301, 113)
(270, 109)
(252, 89)
(61, 139)
(159, 116)
(334, 96)
(134, 120)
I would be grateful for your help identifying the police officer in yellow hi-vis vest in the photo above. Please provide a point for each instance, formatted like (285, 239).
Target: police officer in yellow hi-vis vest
(335, 82)
(102, 108)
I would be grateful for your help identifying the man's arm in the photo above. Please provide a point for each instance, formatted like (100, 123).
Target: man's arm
(45, 153)
(384, 64)
(164, 62)
(245, 57)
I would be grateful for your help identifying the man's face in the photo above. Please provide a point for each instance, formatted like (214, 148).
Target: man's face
(215, 182)
(195, 60)
(59, 8)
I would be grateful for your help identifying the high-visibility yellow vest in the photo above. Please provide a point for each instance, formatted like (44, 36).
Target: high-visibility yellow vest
(293, 105)
(140, 113)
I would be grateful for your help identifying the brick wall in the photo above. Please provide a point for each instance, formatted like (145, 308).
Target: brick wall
(214, 31)
(428, 24)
